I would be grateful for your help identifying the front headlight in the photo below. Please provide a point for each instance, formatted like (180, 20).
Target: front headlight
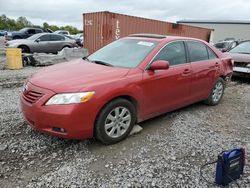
(70, 98)
(248, 65)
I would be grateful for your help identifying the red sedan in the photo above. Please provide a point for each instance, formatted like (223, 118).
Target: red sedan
(128, 81)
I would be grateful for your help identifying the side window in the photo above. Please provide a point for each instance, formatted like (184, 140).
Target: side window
(211, 54)
(38, 31)
(57, 38)
(197, 51)
(31, 31)
(174, 53)
(45, 38)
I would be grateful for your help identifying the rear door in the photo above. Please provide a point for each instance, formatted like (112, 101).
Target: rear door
(165, 90)
(57, 42)
(205, 65)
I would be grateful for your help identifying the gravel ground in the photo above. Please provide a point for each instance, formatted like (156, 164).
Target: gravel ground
(167, 153)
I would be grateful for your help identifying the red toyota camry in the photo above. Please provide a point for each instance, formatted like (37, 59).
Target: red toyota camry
(128, 81)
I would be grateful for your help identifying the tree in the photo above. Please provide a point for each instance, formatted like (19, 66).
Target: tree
(21, 22)
(45, 25)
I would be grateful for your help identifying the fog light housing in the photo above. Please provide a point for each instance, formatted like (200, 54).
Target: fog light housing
(57, 129)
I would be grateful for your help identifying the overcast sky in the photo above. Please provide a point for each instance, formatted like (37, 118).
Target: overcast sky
(63, 12)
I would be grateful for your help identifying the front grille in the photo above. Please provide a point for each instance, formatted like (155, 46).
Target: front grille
(240, 64)
(32, 96)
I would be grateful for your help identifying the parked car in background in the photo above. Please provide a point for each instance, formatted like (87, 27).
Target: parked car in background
(241, 56)
(23, 33)
(62, 32)
(3, 32)
(130, 80)
(43, 42)
(226, 45)
(79, 39)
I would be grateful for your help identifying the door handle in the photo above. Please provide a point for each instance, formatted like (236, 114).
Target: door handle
(217, 64)
(186, 71)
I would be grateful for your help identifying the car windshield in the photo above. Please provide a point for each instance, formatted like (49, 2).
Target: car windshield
(243, 48)
(124, 53)
(34, 37)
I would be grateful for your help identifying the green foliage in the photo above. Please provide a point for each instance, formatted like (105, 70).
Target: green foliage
(21, 22)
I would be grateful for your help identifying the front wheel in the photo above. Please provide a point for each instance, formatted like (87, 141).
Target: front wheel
(115, 121)
(25, 49)
(216, 92)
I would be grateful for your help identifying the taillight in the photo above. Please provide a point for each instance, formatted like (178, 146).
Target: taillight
(244, 155)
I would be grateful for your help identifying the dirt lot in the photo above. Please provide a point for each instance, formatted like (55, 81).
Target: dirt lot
(167, 153)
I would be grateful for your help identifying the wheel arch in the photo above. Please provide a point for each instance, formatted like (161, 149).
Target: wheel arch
(125, 96)
(24, 46)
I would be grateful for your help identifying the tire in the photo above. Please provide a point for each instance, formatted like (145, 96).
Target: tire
(115, 121)
(216, 93)
(25, 49)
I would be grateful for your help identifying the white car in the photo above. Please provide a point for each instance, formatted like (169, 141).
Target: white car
(62, 32)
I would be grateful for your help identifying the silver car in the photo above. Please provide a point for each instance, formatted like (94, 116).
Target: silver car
(43, 42)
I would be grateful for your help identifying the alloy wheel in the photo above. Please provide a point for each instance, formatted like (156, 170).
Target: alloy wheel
(117, 122)
(217, 92)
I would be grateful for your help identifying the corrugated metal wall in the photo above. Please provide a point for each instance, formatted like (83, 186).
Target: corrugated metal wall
(101, 28)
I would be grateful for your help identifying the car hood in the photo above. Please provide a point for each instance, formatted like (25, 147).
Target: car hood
(75, 75)
(14, 32)
(244, 58)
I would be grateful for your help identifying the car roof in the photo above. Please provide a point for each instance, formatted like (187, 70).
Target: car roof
(32, 28)
(158, 37)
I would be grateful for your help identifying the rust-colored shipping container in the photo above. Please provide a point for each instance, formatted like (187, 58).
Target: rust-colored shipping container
(101, 28)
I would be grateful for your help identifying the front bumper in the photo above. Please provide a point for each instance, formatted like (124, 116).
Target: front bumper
(76, 120)
(241, 71)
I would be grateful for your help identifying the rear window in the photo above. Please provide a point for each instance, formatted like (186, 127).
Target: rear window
(197, 51)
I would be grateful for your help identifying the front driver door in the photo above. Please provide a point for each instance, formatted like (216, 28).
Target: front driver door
(166, 90)
(41, 44)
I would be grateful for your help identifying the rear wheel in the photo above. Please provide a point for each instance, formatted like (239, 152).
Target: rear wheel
(115, 121)
(216, 92)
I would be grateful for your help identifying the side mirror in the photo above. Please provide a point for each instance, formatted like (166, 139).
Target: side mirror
(38, 40)
(159, 65)
(224, 50)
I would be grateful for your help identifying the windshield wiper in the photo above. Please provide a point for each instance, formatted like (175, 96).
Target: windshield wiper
(86, 58)
(243, 52)
(102, 63)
